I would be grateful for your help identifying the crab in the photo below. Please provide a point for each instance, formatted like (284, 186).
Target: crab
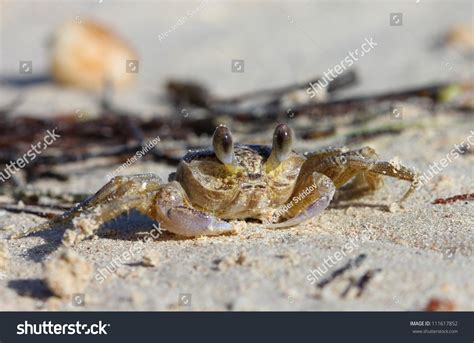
(211, 187)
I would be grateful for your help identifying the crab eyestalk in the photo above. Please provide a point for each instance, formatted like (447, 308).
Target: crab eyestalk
(281, 148)
(223, 145)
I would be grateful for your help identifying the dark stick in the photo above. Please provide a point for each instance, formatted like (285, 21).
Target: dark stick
(351, 264)
(363, 101)
(452, 199)
(349, 105)
(364, 280)
(36, 210)
(343, 81)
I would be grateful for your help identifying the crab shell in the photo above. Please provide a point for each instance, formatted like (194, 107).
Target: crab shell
(245, 189)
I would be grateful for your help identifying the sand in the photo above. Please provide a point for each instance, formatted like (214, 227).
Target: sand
(67, 274)
(416, 253)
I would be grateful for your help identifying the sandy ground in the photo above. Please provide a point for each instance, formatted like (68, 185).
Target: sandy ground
(414, 254)
(417, 253)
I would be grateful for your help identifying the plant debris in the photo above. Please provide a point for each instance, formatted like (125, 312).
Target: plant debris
(437, 304)
(452, 199)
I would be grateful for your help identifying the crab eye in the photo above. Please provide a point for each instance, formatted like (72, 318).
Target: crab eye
(282, 142)
(223, 144)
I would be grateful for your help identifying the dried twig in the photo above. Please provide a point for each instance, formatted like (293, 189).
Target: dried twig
(443, 201)
(36, 210)
(31, 196)
(345, 80)
(349, 105)
(351, 264)
(118, 134)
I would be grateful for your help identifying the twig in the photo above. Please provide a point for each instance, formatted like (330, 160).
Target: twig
(358, 103)
(355, 104)
(351, 264)
(364, 280)
(31, 196)
(443, 201)
(36, 210)
(345, 80)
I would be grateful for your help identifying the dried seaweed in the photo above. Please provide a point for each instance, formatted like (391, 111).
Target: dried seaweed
(450, 200)
(116, 134)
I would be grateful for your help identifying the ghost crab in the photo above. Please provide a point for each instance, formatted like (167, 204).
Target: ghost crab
(237, 182)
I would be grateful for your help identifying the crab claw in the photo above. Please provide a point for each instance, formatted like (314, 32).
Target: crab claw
(321, 193)
(176, 215)
(188, 222)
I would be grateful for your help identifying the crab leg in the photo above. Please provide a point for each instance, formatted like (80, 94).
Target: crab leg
(165, 203)
(363, 166)
(326, 152)
(121, 194)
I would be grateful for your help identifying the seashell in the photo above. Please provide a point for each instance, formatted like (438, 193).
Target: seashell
(87, 54)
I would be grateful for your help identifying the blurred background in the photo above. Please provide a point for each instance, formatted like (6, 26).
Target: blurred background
(280, 42)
